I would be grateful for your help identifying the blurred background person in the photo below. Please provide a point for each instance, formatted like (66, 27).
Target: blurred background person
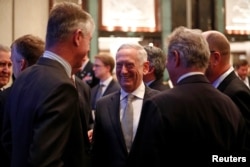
(117, 130)
(47, 127)
(154, 77)
(86, 73)
(241, 67)
(103, 68)
(5, 66)
(25, 51)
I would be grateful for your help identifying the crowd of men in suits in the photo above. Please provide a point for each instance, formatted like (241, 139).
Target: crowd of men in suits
(58, 113)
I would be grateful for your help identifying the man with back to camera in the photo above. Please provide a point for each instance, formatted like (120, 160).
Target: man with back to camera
(46, 124)
(222, 75)
(193, 120)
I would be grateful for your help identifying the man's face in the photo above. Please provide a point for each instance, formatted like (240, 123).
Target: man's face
(242, 72)
(129, 70)
(5, 68)
(100, 69)
(17, 61)
(82, 50)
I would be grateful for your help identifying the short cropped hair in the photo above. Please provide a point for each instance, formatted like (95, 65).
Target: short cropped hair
(191, 45)
(65, 18)
(142, 54)
(157, 59)
(30, 47)
(107, 60)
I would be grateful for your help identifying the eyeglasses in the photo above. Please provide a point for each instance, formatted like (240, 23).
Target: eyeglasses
(98, 65)
(212, 51)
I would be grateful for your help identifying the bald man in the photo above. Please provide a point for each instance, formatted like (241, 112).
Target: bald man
(221, 73)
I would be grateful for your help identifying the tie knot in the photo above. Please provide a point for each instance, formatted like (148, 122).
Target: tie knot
(130, 97)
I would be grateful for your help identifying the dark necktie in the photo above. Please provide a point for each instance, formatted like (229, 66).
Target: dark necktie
(99, 92)
(127, 122)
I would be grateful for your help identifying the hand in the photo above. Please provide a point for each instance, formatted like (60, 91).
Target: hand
(90, 135)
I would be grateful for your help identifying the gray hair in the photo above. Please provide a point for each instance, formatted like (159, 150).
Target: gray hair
(65, 18)
(142, 54)
(4, 48)
(191, 45)
(157, 59)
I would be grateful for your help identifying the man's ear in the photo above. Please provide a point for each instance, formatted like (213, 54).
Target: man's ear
(145, 67)
(215, 58)
(176, 58)
(24, 64)
(151, 69)
(78, 35)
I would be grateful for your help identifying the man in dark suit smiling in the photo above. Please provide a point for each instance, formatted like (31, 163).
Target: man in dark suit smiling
(116, 139)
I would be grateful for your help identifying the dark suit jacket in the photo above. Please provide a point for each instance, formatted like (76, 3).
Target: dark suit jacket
(196, 121)
(88, 70)
(45, 125)
(109, 148)
(158, 85)
(84, 93)
(112, 87)
(239, 93)
(4, 157)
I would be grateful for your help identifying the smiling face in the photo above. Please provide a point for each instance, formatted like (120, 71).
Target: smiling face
(5, 68)
(129, 69)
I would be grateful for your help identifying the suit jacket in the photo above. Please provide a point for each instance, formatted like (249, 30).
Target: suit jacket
(158, 85)
(88, 70)
(109, 148)
(84, 93)
(193, 122)
(4, 157)
(112, 87)
(45, 127)
(239, 93)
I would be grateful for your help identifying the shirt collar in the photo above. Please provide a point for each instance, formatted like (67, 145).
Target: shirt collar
(217, 82)
(188, 74)
(59, 59)
(107, 81)
(139, 92)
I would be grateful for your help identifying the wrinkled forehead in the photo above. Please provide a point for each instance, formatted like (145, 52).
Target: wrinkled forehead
(4, 55)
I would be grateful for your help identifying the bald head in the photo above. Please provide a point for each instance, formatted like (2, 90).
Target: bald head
(220, 54)
(217, 42)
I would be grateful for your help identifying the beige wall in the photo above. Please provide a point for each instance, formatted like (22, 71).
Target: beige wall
(5, 22)
(20, 17)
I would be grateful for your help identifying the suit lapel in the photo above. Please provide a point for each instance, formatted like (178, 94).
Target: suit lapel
(227, 81)
(114, 114)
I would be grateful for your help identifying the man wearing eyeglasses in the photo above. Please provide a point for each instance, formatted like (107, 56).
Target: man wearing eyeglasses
(222, 76)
